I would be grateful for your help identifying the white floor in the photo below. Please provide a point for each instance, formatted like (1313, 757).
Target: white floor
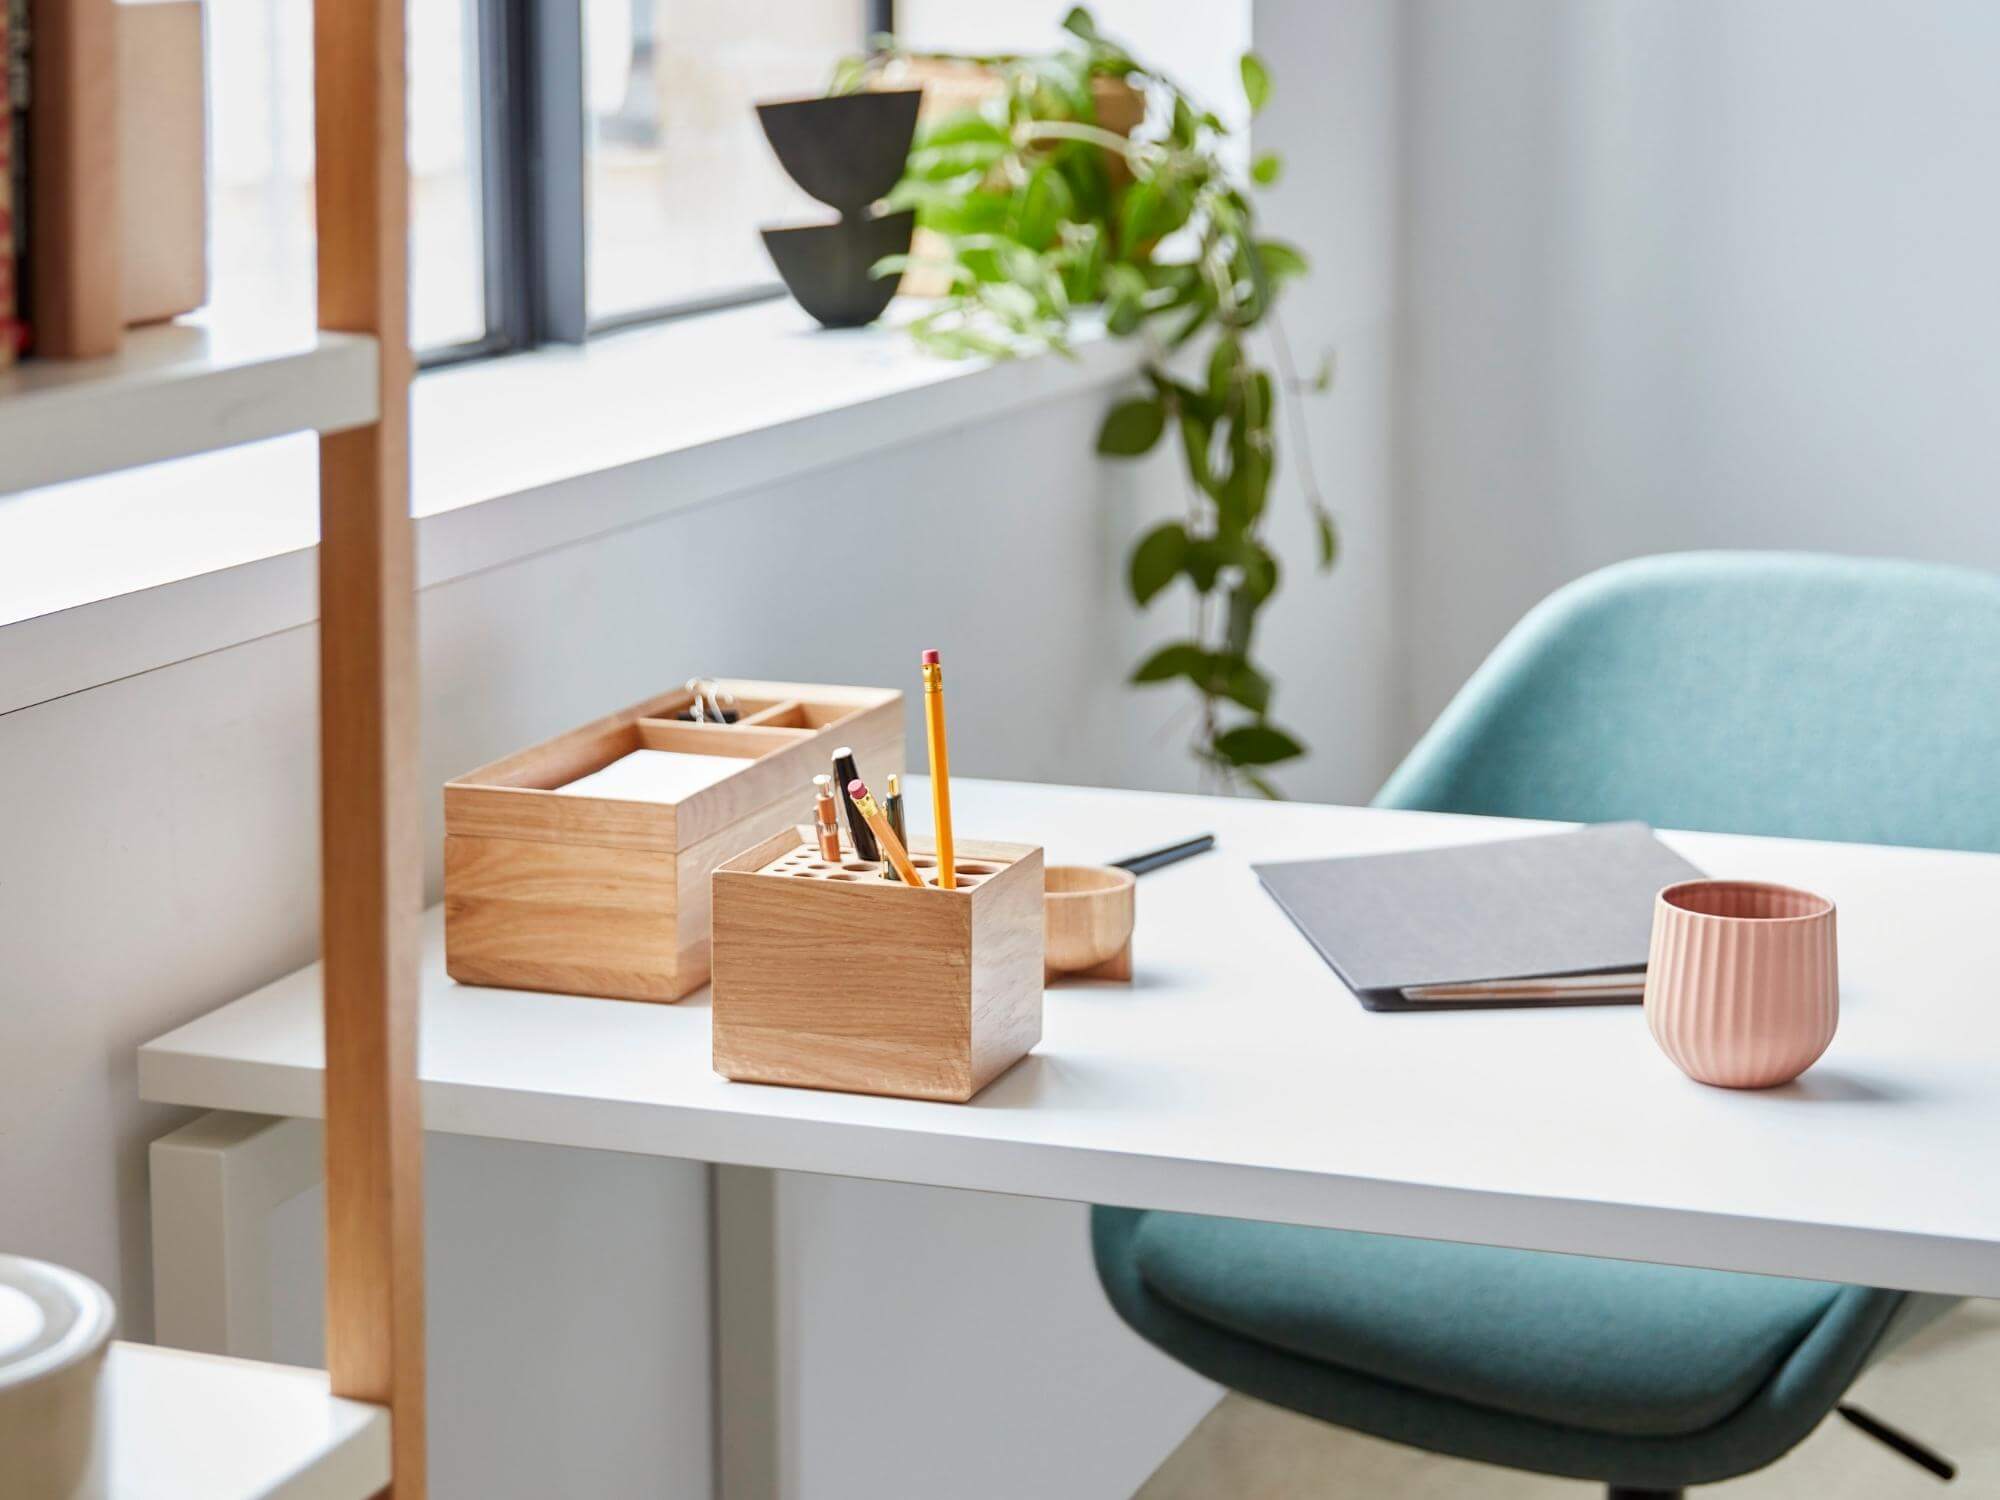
(1944, 1388)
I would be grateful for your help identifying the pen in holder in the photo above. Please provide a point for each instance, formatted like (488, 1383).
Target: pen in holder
(828, 976)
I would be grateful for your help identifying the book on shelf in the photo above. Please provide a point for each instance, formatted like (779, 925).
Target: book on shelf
(72, 231)
(10, 37)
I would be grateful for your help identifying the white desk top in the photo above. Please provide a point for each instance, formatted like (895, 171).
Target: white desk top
(1237, 1076)
(201, 1427)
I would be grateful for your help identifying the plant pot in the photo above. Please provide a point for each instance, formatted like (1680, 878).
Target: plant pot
(827, 266)
(847, 151)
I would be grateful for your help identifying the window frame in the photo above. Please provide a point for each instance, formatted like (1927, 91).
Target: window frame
(533, 137)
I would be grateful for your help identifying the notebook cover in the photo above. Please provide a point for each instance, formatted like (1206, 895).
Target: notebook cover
(1562, 903)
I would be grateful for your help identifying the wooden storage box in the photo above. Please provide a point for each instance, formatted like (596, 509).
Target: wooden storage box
(831, 977)
(550, 890)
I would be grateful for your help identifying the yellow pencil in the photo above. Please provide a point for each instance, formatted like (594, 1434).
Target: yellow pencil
(884, 834)
(940, 769)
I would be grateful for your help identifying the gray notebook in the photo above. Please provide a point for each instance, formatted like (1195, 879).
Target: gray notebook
(1560, 903)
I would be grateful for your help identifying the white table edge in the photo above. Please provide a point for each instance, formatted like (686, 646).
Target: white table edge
(1619, 1231)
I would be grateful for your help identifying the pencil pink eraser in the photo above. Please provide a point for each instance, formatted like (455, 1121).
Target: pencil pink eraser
(857, 789)
(930, 658)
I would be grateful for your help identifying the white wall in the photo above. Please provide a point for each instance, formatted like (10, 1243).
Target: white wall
(1691, 273)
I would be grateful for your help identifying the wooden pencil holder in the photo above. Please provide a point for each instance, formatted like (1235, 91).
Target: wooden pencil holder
(546, 889)
(830, 977)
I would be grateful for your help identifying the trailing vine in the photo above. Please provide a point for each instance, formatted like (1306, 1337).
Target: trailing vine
(1040, 210)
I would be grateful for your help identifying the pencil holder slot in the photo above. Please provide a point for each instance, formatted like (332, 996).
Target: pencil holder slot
(832, 977)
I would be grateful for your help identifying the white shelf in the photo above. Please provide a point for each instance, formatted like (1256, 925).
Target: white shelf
(174, 390)
(188, 1426)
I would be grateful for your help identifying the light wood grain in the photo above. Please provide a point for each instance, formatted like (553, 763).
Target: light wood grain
(838, 979)
(370, 811)
(574, 918)
(546, 890)
(1089, 911)
(73, 148)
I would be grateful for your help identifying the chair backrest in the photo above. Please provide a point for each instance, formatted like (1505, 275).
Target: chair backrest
(1769, 693)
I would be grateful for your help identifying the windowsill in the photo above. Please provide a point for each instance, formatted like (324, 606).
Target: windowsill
(124, 573)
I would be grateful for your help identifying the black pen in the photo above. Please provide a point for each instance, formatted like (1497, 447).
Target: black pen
(858, 831)
(892, 807)
(1152, 859)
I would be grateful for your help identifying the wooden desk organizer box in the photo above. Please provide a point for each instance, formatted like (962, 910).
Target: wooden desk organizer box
(828, 976)
(585, 895)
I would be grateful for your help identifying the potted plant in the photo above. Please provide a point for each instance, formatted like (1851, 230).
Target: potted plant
(1039, 201)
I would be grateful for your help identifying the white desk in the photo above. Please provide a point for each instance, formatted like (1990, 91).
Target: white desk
(1238, 1077)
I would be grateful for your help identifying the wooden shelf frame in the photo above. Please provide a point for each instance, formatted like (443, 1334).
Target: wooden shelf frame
(372, 877)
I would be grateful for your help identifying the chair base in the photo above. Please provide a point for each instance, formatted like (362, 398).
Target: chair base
(1620, 1492)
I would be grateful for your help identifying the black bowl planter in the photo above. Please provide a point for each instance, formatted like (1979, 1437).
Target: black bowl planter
(847, 151)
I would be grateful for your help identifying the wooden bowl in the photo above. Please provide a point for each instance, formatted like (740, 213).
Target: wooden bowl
(1087, 921)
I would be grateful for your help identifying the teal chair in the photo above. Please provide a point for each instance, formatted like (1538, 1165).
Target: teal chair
(1762, 693)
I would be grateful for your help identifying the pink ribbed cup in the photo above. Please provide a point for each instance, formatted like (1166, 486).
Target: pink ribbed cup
(1742, 986)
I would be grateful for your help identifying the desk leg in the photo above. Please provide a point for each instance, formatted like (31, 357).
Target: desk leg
(216, 1182)
(744, 1219)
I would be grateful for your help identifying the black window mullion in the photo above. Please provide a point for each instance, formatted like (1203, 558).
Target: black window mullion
(552, 166)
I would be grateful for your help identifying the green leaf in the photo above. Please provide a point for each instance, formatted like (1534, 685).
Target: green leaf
(1131, 427)
(1138, 214)
(1181, 659)
(1242, 683)
(849, 74)
(1329, 540)
(1195, 437)
(1080, 23)
(1260, 571)
(955, 159)
(1045, 202)
(1256, 81)
(1282, 260)
(1223, 363)
(1205, 559)
(1013, 305)
(1322, 380)
(1259, 404)
(962, 126)
(1257, 745)
(1266, 169)
(1157, 559)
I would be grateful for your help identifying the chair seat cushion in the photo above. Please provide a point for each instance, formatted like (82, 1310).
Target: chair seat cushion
(1598, 1345)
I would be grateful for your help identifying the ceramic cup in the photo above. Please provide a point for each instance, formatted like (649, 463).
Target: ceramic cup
(1087, 920)
(1742, 985)
(55, 1326)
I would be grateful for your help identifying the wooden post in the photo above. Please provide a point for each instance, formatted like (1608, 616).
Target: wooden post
(369, 809)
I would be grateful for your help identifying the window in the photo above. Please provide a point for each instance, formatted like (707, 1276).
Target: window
(620, 173)
(261, 170)
(679, 176)
(577, 165)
